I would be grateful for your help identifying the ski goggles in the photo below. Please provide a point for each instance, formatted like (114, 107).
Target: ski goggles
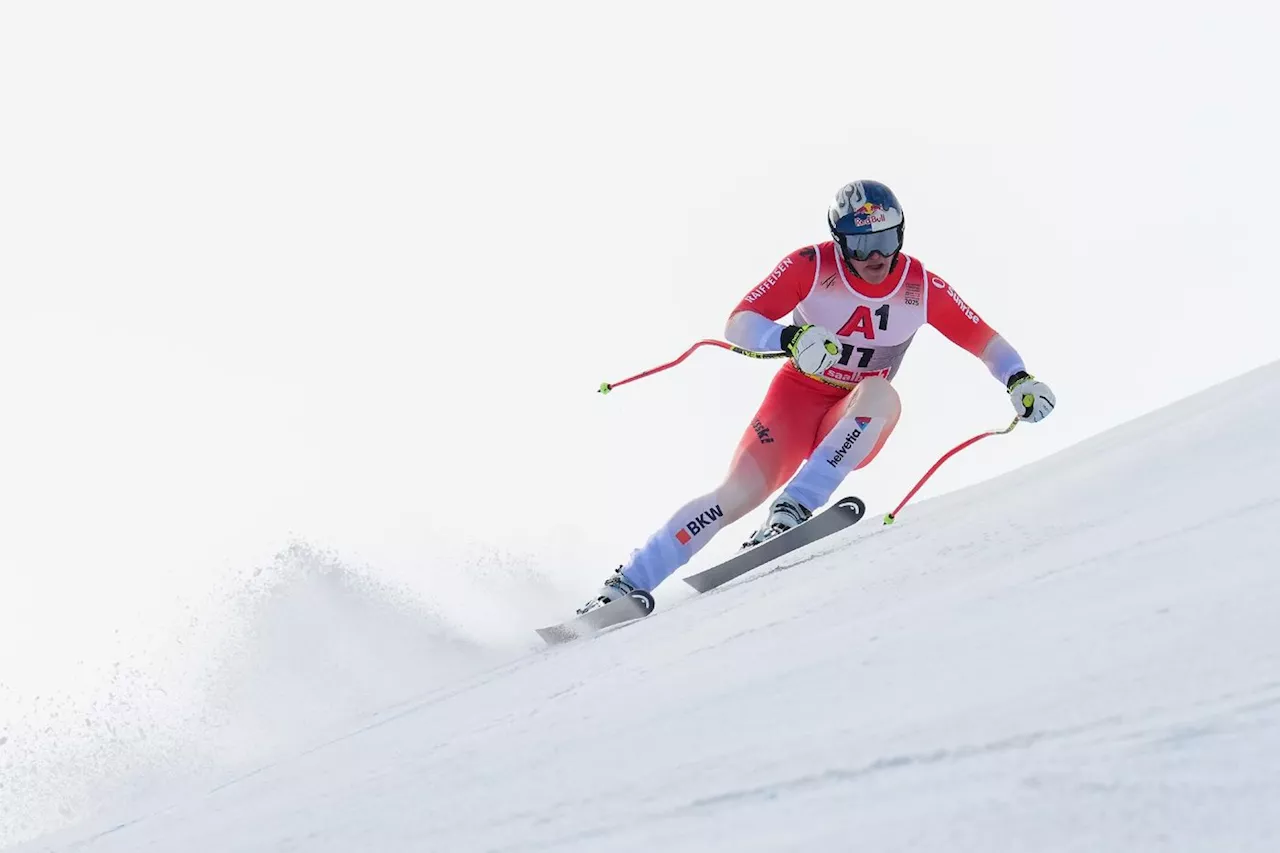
(861, 246)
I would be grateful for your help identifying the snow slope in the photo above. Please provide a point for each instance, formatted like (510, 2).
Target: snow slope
(1082, 655)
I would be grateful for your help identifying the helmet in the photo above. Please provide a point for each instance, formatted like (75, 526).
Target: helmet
(866, 217)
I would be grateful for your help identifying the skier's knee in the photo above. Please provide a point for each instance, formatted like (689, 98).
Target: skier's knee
(745, 487)
(736, 503)
(875, 396)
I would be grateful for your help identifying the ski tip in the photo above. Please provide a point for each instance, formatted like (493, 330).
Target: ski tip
(644, 599)
(854, 503)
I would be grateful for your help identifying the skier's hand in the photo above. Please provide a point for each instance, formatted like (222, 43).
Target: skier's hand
(812, 348)
(1031, 398)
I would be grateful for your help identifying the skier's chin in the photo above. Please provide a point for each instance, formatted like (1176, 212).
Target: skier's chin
(876, 272)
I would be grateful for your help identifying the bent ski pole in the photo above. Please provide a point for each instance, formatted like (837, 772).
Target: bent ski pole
(891, 517)
(606, 387)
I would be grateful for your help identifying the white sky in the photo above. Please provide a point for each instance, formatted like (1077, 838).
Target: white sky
(352, 272)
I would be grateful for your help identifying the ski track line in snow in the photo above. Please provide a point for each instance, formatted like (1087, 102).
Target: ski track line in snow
(1174, 731)
(1171, 732)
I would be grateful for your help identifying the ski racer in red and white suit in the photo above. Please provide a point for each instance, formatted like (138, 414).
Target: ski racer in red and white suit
(832, 406)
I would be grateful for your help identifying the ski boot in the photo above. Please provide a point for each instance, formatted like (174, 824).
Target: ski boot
(785, 514)
(615, 586)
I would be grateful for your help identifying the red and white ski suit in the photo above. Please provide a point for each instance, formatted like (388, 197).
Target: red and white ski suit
(829, 426)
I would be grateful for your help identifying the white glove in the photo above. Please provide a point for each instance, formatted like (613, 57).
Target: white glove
(812, 348)
(1031, 398)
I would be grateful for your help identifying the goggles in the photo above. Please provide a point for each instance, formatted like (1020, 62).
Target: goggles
(861, 246)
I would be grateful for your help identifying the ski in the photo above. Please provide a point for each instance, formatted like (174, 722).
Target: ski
(634, 606)
(843, 513)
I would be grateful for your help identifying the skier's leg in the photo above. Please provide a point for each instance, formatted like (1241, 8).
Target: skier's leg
(851, 436)
(772, 447)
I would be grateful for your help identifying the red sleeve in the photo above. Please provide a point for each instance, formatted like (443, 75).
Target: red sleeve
(949, 314)
(782, 289)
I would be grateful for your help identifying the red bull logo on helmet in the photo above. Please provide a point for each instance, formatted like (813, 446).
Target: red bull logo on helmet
(870, 214)
(864, 207)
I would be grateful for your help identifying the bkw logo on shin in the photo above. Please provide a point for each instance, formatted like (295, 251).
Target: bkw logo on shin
(704, 520)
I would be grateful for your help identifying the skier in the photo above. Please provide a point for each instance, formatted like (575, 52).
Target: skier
(856, 302)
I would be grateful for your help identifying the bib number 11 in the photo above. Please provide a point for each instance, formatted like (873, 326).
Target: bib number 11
(864, 354)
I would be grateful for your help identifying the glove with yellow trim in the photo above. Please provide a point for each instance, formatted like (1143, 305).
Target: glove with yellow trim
(812, 348)
(1031, 398)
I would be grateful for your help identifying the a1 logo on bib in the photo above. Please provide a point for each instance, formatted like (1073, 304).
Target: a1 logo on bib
(860, 323)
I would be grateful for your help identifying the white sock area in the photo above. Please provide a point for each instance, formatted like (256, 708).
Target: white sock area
(675, 543)
(841, 451)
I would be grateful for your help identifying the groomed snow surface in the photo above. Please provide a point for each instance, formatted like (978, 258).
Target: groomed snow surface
(1082, 655)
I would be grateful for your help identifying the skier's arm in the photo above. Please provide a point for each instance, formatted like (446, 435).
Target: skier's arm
(751, 324)
(949, 314)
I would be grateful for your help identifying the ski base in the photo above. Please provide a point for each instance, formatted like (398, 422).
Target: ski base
(843, 513)
(637, 605)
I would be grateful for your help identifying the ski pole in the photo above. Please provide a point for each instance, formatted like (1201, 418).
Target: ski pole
(891, 517)
(606, 387)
